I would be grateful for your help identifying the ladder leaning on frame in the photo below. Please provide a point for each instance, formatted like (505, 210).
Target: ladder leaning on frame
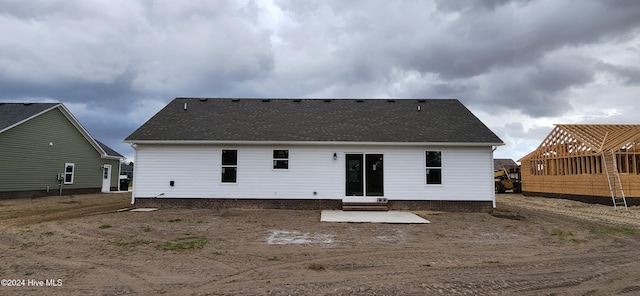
(610, 166)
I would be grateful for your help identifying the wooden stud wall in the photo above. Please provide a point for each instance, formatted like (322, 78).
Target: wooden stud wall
(569, 160)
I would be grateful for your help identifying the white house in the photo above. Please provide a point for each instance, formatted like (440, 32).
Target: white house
(314, 153)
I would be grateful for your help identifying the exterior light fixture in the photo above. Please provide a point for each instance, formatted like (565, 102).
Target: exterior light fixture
(335, 156)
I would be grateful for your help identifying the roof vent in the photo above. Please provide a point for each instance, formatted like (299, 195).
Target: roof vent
(235, 100)
(327, 100)
(421, 101)
(391, 101)
(265, 100)
(419, 108)
(203, 99)
(185, 106)
(27, 104)
(297, 101)
(359, 101)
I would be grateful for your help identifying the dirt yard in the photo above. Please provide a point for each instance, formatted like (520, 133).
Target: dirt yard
(83, 245)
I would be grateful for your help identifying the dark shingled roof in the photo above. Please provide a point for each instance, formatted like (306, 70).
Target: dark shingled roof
(299, 120)
(12, 113)
(108, 149)
(499, 163)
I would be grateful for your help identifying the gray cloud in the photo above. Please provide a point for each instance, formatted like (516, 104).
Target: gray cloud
(498, 56)
(629, 75)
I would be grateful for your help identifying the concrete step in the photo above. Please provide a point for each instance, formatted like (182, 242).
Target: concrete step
(365, 206)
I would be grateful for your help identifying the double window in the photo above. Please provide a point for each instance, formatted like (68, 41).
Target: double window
(69, 169)
(229, 166)
(434, 167)
(281, 159)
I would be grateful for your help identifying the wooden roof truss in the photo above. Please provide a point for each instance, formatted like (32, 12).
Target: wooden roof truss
(568, 140)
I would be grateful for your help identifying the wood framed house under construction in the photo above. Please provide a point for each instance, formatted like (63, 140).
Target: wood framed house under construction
(594, 163)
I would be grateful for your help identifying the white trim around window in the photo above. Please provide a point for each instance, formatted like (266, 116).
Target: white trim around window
(281, 159)
(433, 166)
(229, 161)
(69, 172)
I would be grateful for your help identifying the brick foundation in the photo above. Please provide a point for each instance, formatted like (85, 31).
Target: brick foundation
(307, 204)
(592, 199)
(441, 205)
(41, 193)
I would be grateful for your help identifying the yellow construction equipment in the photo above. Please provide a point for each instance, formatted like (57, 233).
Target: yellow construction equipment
(504, 182)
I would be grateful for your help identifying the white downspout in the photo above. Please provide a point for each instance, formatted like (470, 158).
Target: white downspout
(133, 176)
(493, 191)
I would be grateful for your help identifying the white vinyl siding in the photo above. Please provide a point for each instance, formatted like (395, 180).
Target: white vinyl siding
(313, 172)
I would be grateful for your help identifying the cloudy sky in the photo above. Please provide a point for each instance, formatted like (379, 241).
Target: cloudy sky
(520, 66)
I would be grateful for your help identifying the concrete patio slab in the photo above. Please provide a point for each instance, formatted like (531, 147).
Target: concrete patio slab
(398, 217)
(144, 210)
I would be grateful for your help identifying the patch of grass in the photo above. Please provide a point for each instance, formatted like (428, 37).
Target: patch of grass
(187, 243)
(133, 243)
(611, 230)
(175, 220)
(315, 267)
(104, 226)
(506, 214)
(4, 205)
(274, 258)
(47, 233)
(28, 273)
(561, 233)
(71, 202)
(566, 235)
(146, 228)
(218, 253)
(27, 245)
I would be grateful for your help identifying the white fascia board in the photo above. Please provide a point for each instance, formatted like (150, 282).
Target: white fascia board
(303, 143)
(112, 157)
(27, 119)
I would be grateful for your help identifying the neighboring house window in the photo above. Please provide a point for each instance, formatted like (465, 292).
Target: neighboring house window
(69, 169)
(229, 166)
(281, 159)
(434, 167)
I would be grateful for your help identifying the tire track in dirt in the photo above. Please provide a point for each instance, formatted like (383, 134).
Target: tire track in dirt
(575, 209)
(544, 271)
(53, 211)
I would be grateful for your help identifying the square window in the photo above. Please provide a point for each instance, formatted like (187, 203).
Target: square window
(434, 159)
(229, 174)
(434, 176)
(281, 159)
(229, 157)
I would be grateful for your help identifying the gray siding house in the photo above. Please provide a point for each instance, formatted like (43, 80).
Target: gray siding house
(314, 153)
(44, 150)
